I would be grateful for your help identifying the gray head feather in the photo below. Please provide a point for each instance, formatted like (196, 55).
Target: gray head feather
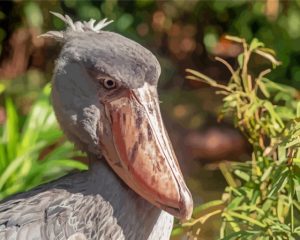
(75, 27)
(75, 90)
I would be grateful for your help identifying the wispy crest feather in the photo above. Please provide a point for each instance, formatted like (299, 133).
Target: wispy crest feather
(76, 26)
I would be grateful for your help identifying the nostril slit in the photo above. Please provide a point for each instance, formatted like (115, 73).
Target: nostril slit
(173, 208)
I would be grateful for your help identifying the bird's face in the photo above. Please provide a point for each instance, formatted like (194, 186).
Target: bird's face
(105, 97)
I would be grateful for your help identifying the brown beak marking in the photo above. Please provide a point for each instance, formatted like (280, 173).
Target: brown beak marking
(146, 160)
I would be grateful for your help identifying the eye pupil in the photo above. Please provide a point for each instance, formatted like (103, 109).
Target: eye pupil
(109, 83)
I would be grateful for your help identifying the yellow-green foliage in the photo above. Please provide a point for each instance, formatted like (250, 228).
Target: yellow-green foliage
(33, 152)
(262, 197)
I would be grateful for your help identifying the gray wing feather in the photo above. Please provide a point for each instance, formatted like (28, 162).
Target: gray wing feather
(57, 211)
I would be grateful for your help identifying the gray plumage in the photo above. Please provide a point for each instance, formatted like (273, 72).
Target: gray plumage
(121, 58)
(93, 204)
(75, 92)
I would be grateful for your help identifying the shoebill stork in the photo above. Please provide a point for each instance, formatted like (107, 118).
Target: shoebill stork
(104, 94)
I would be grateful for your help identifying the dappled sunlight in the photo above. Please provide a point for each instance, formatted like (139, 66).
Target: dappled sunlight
(230, 104)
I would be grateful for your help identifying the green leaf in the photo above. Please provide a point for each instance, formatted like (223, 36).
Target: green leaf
(255, 43)
(266, 173)
(298, 110)
(227, 175)
(235, 202)
(177, 231)
(279, 182)
(240, 59)
(2, 88)
(72, 164)
(293, 143)
(247, 219)
(263, 88)
(268, 56)
(234, 236)
(33, 14)
(297, 186)
(207, 206)
(243, 235)
(16, 163)
(11, 129)
(202, 77)
(235, 227)
(235, 39)
(242, 175)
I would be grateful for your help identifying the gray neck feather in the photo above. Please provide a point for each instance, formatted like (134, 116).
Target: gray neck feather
(137, 218)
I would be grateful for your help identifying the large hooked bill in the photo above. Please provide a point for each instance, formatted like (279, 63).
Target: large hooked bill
(140, 151)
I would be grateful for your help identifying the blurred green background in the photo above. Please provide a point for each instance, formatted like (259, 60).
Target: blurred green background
(182, 34)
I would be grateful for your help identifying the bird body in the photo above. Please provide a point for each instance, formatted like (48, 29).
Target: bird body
(93, 204)
(104, 94)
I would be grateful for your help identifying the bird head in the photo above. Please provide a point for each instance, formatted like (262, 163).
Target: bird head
(105, 98)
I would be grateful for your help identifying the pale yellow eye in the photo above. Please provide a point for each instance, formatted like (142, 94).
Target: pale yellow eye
(109, 83)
